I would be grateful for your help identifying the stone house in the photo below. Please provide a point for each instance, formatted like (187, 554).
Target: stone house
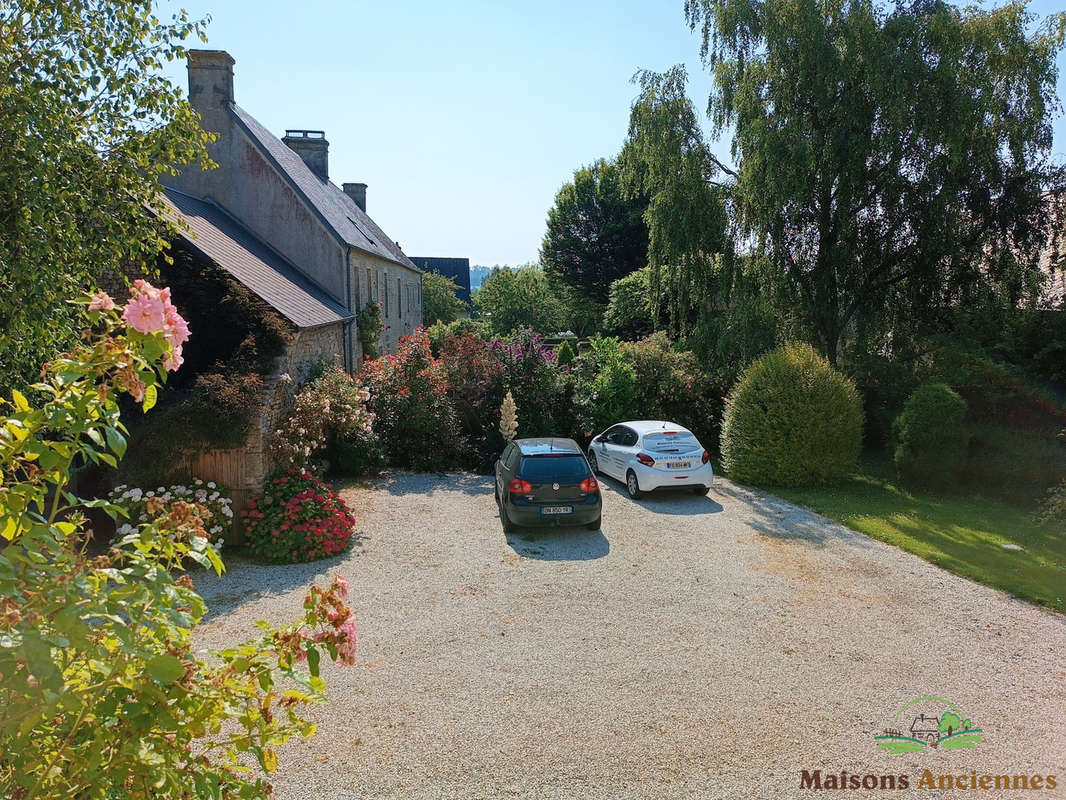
(270, 218)
(279, 190)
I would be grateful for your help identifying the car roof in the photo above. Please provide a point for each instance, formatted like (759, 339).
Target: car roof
(547, 444)
(645, 426)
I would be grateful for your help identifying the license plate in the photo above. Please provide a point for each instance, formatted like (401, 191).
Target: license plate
(678, 464)
(557, 510)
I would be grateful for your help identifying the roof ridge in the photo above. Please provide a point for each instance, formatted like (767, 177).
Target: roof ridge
(305, 183)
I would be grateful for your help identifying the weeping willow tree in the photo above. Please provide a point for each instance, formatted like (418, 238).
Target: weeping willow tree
(666, 159)
(893, 158)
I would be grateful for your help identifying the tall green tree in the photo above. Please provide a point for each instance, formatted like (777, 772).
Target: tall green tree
(892, 158)
(440, 299)
(596, 232)
(666, 158)
(87, 123)
(513, 298)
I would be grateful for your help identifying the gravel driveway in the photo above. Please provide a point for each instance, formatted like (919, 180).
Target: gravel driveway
(697, 647)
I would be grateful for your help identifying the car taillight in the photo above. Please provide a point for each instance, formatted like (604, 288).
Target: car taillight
(519, 486)
(706, 456)
(589, 485)
(645, 459)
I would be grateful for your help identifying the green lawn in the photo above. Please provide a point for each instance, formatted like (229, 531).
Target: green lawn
(964, 534)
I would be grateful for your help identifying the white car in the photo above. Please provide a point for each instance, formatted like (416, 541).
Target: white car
(652, 454)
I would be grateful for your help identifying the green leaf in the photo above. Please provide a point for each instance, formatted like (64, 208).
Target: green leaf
(165, 669)
(312, 660)
(19, 400)
(116, 441)
(150, 395)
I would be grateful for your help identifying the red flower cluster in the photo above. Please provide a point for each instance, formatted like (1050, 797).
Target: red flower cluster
(297, 518)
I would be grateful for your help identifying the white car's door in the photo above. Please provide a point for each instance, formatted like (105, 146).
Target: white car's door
(620, 449)
(603, 456)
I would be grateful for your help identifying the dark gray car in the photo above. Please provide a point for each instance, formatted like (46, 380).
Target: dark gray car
(546, 482)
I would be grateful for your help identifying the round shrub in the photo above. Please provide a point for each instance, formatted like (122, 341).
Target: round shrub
(791, 420)
(929, 440)
(565, 355)
(297, 518)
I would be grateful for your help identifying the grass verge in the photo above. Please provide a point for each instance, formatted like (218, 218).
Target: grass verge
(963, 534)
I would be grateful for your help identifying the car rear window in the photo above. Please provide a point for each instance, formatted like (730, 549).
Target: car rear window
(666, 442)
(542, 468)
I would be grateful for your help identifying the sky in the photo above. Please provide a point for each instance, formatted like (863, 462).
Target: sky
(463, 118)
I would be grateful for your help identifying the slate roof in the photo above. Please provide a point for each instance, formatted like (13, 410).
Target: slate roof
(348, 222)
(458, 269)
(265, 272)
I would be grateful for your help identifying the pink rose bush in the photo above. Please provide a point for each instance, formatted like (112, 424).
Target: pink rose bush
(297, 518)
(104, 690)
(150, 311)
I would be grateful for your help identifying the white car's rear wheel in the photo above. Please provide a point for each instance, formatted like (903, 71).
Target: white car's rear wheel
(632, 486)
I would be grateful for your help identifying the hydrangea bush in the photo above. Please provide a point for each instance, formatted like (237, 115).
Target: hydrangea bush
(212, 502)
(297, 518)
(328, 415)
(102, 691)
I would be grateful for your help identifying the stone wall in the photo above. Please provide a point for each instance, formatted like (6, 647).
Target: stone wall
(244, 470)
(385, 281)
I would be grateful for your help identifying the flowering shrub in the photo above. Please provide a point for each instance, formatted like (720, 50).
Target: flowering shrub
(103, 694)
(212, 503)
(297, 518)
(412, 412)
(508, 418)
(329, 415)
(475, 387)
(530, 373)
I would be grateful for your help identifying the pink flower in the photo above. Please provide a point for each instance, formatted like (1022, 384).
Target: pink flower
(173, 361)
(145, 314)
(101, 301)
(342, 586)
(349, 644)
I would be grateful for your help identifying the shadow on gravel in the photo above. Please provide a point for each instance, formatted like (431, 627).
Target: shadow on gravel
(245, 580)
(399, 484)
(784, 521)
(672, 502)
(564, 544)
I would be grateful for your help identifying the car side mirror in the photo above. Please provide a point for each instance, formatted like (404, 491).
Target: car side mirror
(598, 439)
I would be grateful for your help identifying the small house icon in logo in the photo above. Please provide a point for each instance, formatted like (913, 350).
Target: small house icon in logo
(927, 728)
(939, 723)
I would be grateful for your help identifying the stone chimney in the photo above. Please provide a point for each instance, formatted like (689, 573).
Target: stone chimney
(356, 191)
(210, 79)
(312, 147)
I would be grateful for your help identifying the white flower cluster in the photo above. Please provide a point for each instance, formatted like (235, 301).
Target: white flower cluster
(207, 494)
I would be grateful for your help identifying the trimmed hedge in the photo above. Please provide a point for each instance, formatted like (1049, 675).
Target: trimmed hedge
(792, 420)
(929, 438)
